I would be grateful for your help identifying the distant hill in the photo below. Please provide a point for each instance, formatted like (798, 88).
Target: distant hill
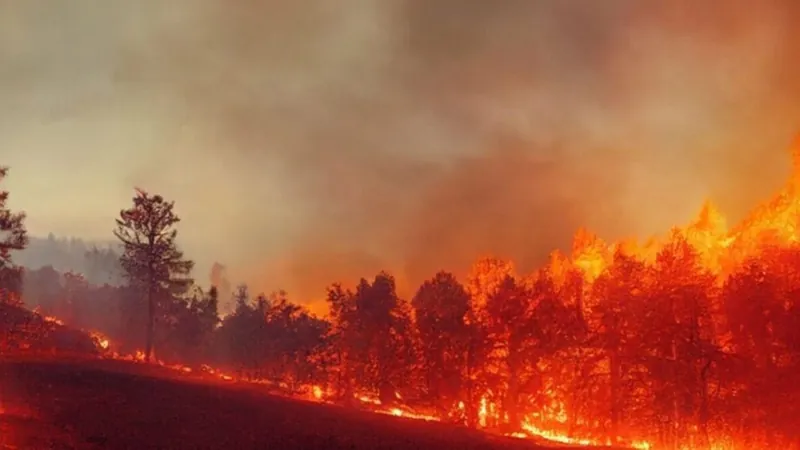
(96, 260)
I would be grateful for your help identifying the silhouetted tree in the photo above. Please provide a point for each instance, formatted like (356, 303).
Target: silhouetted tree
(237, 340)
(241, 298)
(615, 290)
(528, 324)
(290, 339)
(374, 325)
(762, 311)
(342, 336)
(151, 259)
(440, 309)
(676, 333)
(13, 236)
(196, 321)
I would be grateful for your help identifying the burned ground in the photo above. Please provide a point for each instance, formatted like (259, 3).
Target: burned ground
(56, 392)
(96, 404)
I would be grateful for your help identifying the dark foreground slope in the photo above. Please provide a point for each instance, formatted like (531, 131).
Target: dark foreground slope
(28, 332)
(96, 404)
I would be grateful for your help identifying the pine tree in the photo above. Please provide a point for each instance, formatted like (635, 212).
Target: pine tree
(151, 260)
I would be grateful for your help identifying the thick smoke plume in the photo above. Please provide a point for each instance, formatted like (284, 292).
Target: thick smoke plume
(325, 141)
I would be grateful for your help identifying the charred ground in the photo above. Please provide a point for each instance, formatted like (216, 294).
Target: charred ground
(88, 404)
(57, 392)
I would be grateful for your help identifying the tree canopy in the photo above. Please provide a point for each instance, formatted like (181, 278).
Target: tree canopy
(151, 260)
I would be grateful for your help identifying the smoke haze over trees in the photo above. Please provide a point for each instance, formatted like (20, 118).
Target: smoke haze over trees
(300, 122)
(98, 261)
(408, 152)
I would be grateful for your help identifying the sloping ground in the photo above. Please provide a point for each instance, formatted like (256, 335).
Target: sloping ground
(55, 393)
(23, 331)
(58, 404)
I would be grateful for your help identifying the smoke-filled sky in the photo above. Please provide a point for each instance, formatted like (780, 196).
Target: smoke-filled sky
(308, 142)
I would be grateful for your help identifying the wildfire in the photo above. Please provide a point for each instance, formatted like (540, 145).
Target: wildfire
(774, 223)
(487, 413)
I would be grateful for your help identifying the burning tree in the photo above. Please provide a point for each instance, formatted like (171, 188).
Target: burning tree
(373, 326)
(152, 262)
(440, 308)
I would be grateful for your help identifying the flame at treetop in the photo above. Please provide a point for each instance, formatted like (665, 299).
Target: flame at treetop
(774, 222)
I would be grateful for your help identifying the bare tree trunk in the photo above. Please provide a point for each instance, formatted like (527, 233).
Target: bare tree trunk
(470, 411)
(511, 398)
(616, 393)
(704, 414)
(151, 321)
(675, 418)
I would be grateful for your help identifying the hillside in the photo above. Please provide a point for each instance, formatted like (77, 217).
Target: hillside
(110, 404)
(56, 392)
(23, 331)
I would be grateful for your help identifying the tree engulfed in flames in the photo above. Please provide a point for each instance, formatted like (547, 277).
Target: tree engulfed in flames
(690, 341)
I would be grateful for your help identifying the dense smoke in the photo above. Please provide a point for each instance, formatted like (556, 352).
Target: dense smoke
(325, 141)
(219, 279)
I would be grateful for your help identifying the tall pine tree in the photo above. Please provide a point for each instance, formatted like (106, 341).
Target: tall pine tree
(151, 260)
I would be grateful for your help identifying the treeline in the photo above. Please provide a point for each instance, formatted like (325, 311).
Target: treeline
(645, 350)
(686, 344)
(97, 261)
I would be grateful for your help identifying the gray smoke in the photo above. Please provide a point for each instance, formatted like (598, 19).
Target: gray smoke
(325, 141)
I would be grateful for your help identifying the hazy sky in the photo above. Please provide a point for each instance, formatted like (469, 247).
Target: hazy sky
(306, 142)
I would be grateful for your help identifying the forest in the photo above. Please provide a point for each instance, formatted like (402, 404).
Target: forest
(98, 262)
(690, 340)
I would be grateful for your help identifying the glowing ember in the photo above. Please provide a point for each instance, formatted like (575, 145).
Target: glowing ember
(54, 320)
(101, 341)
(317, 392)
